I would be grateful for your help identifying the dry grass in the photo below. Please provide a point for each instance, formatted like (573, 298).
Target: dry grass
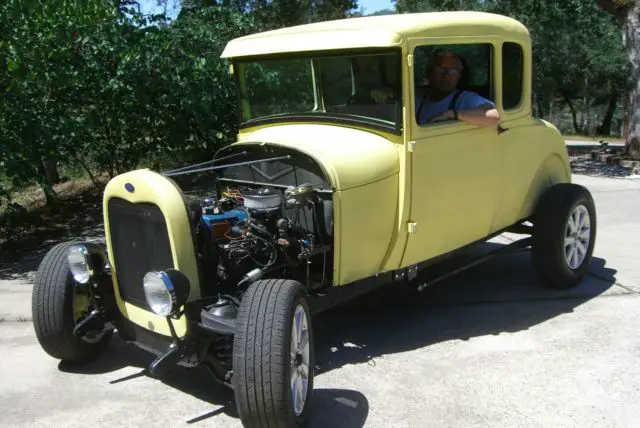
(78, 209)
(32, 198)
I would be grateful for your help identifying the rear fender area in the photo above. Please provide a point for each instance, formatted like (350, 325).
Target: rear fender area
(534, 157)
(553, 170)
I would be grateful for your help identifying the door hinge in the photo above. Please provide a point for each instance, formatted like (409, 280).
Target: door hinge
(412, 227)
(410, 60)
(411, 146)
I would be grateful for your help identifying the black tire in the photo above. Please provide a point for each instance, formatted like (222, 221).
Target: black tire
(53, 312)
(550, 229)
(261, 355)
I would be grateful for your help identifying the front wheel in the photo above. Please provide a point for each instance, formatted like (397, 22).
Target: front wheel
(58, 304)
(273, 355)
(564, 235)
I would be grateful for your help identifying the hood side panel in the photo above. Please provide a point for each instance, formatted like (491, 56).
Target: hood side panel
(351, 157)
(285, 166)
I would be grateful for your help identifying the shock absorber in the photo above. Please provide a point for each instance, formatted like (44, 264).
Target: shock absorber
(223, 349)
(221, 346)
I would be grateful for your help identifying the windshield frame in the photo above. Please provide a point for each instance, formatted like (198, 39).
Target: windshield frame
(321, 117)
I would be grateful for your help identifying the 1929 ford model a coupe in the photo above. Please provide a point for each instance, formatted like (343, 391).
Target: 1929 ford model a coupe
(327, 194)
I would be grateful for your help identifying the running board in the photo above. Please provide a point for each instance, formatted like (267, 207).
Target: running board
(520, 229)
(514, 246)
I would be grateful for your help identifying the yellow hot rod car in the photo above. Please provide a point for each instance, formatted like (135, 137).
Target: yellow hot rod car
(369, 148)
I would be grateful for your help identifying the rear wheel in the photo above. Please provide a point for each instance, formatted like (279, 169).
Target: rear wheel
(564, 235)
(273, 355)
(58, 304)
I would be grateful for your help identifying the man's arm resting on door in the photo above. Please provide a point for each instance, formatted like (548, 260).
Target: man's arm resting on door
(486, 115)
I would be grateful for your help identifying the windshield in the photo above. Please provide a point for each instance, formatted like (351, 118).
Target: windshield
(363, 88)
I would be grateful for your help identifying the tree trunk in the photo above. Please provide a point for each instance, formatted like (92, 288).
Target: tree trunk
(633, 48)
(50, 169)
(586, 108)
(46, 185)
(550, 111)
(625, 116)
(540, 110)
(576, 127)
(605, 128)
(50, 195)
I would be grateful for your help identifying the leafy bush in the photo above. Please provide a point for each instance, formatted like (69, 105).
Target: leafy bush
(90, 83)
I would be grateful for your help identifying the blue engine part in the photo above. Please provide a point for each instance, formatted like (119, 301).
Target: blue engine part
(232, 216)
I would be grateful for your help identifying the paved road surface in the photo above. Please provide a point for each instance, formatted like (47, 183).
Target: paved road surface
(487, 348)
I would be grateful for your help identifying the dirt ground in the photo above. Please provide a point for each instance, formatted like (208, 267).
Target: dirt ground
(40, 227)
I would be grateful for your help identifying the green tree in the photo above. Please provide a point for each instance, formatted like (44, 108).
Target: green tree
(38, 57)
(577, 54)
(408, 6)
(271, 14)
(627, 12)
(93, 84)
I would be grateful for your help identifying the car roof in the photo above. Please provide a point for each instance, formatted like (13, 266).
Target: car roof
(374, 32)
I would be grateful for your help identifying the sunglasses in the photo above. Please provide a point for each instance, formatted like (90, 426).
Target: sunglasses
(442, 70)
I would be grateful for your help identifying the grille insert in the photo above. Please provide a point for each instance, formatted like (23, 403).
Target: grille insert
(140, 243)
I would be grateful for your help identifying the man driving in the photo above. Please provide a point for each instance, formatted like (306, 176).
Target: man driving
(443, 101)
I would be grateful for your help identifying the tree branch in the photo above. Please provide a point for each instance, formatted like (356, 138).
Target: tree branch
(86, 168)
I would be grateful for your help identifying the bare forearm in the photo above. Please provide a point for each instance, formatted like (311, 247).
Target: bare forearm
(480, 116)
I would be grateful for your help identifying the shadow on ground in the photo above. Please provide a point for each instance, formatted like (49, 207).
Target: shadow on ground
(338, 408)
(196, 382)
(502, 295)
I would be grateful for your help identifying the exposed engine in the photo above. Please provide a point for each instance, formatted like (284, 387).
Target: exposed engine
(262, 223)
(259, 230)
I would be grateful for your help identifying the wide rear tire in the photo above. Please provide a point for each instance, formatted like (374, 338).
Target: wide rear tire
(54, 311)
(564, 235)
(268, 374)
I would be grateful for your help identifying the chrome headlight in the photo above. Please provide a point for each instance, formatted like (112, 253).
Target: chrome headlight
(166, 291)
(86, 261)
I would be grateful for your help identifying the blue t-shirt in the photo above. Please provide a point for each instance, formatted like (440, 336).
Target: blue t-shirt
(465, 100)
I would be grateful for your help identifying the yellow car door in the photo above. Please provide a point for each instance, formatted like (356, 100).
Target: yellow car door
(455, 167)
(454, 189)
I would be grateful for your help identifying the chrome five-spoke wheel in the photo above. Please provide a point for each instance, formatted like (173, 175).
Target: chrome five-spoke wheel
(299, 359)
(577, 237)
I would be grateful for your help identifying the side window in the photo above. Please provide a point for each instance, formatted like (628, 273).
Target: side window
(512, 70)
(475, 76)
